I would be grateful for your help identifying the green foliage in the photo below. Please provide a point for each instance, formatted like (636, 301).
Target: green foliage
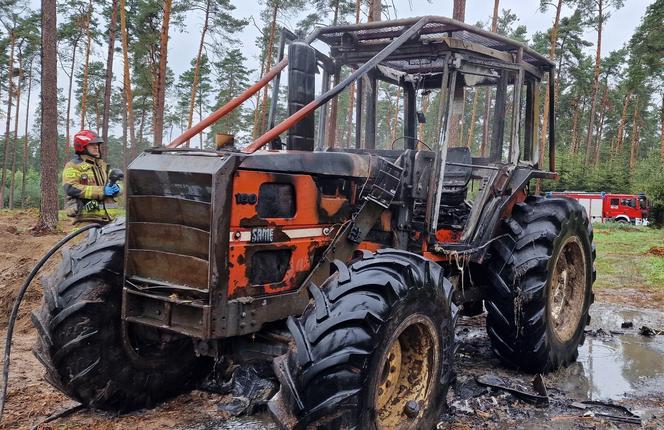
(95, 96)
(650, 179)
(328, 12)
(32, 192)
(507, 25)
(232, 77)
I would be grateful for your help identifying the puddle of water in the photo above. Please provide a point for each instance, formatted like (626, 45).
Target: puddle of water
(619, 366)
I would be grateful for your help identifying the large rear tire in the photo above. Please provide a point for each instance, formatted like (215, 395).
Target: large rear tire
(88, 353)
(374, 348)
(541, 274)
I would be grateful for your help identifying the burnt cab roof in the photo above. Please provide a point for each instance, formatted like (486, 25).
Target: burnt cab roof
(356, 44)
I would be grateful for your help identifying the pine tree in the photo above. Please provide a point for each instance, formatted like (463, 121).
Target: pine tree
(10, 78)
(48, 211)
(271, 11)
(127, 90)
(200, 71)
(232, 77)
(598, 11)
(70, 34)
(218, 20)
(160, 82)
(89, 24)
(108, 82)
(14, 142)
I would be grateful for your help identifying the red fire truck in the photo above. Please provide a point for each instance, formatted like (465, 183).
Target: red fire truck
(602, 207)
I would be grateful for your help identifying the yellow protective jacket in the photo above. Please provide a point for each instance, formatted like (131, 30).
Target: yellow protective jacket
(83, 179)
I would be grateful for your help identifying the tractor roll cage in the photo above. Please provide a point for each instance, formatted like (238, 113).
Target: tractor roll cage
(384, 50)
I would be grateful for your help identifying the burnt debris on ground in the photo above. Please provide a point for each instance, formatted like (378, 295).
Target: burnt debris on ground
(589, 392)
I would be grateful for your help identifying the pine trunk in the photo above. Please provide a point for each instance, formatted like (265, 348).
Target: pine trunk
(595, 89)
(486, 125)
(98, 116)
(26, 139)
(200, 115)
(473, 117)
(332, 118)
(158, 123)
(494, 19)
(459, 10)
(12, 178)
(623, 120)
(197, 67)
(395, 121)
(129, 100)
(634, 144)
(600, 129)
(456, 116)
(48, 210)
(334, 104)
(351, 91)
(257, 110)
(108, 85)
(487, 92)
(425, 109)
(125, 137)
(661, 135)
(349, 115)
(268, 66)
(86, 67)
(375, 8)
(69, 96)
(10, 89)
(390, 109)
(462, 122)
(545, 114)
(141, 128)
(575, 125)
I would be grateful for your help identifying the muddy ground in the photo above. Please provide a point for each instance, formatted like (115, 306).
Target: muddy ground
(615, 364)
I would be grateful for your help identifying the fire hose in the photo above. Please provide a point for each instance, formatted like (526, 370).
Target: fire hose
(19, 299)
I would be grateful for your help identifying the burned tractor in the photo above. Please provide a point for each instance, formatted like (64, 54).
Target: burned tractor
(344, 264)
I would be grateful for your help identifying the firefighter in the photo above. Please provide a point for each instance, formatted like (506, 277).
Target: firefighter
(90, 196)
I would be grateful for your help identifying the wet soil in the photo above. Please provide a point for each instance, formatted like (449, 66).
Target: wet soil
(615, 364)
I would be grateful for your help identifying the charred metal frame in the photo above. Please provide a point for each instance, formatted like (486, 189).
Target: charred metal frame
(410, 28)
(387, 184)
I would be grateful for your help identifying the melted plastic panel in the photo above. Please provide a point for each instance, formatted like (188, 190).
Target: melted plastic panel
(276, 200)
(280, 225)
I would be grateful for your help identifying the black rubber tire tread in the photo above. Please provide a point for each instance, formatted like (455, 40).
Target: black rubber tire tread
(518, 276)
(79, 330)
(335, 338)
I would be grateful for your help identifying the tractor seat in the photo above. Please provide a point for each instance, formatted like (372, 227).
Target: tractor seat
(457, 176)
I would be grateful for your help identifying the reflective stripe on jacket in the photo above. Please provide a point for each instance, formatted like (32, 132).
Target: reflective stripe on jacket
(83, 179)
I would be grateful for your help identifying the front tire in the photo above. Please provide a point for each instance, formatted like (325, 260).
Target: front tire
(540, 276)
(88, 353)
(373, 349)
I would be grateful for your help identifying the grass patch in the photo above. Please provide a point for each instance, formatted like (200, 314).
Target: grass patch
(622, 259)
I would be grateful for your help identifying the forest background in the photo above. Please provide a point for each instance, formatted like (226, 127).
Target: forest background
(117, 74)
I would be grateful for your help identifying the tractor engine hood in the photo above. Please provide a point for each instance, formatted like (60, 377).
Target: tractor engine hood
(178, 223)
